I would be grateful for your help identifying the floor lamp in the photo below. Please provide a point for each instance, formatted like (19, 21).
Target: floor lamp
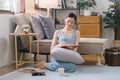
(48, 4)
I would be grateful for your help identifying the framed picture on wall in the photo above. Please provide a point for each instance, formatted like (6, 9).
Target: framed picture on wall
(71, 4)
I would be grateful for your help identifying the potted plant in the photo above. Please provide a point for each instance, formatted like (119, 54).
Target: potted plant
(26, 28)
(112, 15)
(112, 18)
(85, 5)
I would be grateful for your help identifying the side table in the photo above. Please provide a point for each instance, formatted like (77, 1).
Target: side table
(17, 61)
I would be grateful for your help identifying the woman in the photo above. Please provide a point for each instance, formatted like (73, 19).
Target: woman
(62, 38)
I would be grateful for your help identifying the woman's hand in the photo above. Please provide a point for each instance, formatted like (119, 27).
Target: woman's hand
(63, 44)
(72, 46)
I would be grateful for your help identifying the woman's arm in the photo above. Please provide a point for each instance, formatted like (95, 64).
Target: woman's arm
(77, 39)
(55, 39)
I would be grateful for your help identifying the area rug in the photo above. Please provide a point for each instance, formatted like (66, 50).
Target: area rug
(84, 72)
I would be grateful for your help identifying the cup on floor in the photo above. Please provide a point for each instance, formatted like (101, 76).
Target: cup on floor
(61, 71)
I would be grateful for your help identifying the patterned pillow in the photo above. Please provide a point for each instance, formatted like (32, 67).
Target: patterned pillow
(36, 26)
(67, 55)
(47, 26)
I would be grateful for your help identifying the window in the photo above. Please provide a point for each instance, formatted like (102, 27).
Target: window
(10, 5)
(4, 5)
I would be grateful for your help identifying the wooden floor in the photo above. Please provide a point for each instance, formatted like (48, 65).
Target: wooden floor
(89, 60)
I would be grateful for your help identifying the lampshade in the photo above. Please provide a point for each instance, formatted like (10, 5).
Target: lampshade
(48, 4)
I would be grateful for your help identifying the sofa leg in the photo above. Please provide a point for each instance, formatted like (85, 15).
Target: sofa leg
(47, 57)
(100, 59)
(35, 57)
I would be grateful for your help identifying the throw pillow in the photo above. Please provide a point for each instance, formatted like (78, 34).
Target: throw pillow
(67, 55)
(47, 26)
(27, 17)
(36, 26)
(20, 20)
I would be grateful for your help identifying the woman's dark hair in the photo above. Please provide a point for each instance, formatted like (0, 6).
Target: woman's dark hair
(72, 15)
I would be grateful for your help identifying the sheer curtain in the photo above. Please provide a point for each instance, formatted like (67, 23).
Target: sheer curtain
(14, 5)
(18, 6)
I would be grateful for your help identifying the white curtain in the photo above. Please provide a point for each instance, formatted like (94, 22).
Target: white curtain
(13, 5)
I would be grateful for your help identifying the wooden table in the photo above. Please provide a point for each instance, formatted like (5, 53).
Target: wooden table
(18, 63)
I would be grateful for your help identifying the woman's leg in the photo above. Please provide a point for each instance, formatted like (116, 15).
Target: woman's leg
(41, 65)
(53, 65)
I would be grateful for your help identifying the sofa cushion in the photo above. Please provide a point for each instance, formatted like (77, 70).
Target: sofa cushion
(66, 55)
(27, 17)
(36, 26)
(48, 26)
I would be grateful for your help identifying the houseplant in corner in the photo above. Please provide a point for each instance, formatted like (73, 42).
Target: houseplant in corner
(26, 28)
(112, 18)
(112, 15)
(85, 5)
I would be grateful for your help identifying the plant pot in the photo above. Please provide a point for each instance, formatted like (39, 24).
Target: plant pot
(26, 31)
(87, 13)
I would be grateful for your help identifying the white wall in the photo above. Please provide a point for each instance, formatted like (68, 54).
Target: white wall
(6, 26)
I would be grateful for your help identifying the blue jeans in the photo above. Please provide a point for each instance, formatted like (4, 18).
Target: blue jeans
(53, 65)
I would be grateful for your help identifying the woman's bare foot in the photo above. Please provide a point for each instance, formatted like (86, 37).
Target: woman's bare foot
(41, 65)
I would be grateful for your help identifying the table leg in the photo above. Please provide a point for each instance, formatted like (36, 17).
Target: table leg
(30, 38)
(38, 55)
(16, 55)
(10, 57)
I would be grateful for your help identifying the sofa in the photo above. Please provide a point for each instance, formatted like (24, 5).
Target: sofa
(87, 45)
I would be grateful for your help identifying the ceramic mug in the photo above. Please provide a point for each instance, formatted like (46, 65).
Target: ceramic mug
(60, 71)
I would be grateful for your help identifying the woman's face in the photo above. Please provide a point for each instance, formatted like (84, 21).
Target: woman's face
(69, 22)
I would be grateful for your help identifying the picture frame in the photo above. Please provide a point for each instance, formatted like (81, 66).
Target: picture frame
(71, 4)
